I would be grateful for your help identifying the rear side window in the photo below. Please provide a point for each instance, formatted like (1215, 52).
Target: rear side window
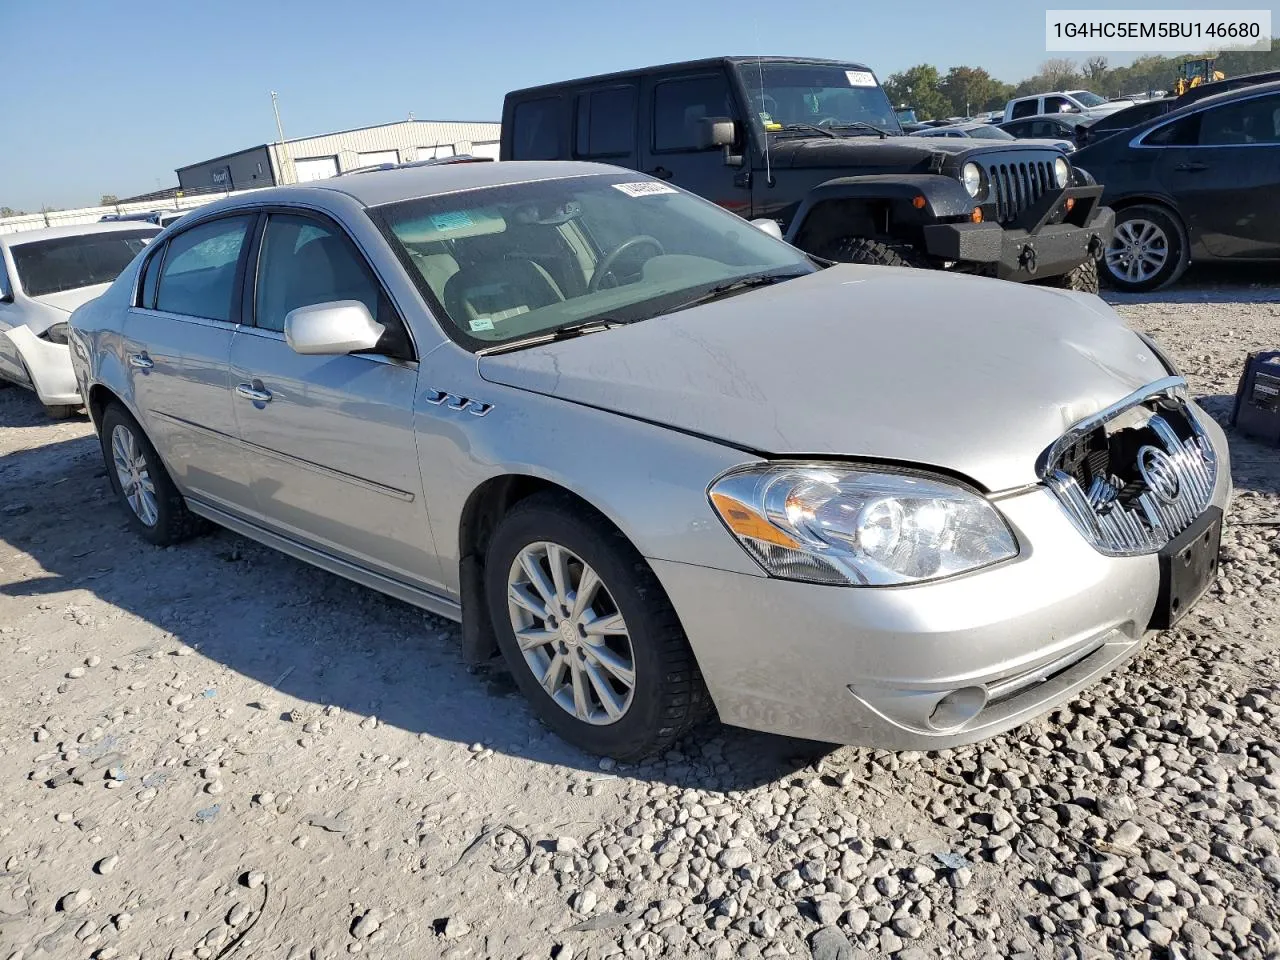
(1252, 121)
(147, 295)
(198, 278)
(606, 122)
(1181, 133)
(536, 129)
(1026, 108)
(680, 105)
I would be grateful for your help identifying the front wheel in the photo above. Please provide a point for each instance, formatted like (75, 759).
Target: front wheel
(588, 631)
(1082, 278)
(877, 253)
(1147, 251)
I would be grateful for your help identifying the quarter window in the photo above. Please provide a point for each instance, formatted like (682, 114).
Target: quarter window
(1256, 120)
(147, 296)
(198, 278)
(606, 122)
(680, 105)
(536, 129)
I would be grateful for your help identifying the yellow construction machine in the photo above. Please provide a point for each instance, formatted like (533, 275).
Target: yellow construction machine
(1192, 73)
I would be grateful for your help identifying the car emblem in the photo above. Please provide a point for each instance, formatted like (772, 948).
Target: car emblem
(1159, 473)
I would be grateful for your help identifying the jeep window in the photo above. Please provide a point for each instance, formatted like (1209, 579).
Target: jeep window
(1088, 98)
(505, 263)
(536, 129)
(680, 105)
(835, 96)
(1026, 108)
(606, 122)
(67, 263)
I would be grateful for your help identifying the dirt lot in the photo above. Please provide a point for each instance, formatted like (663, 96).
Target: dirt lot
(256, 759)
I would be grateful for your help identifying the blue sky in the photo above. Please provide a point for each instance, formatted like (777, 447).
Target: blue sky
(110, 97)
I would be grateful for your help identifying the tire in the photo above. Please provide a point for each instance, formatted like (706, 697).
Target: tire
(1164, 236)
(666, 696)
(1083, 277)
(165, 520)
(59, 411)
(876, 253)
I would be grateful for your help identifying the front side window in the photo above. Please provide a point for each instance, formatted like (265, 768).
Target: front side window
(536, 130)
(495, 262)
(606, 122)
(1256, 120)
(679, 107)
(67, 263)
(198, 278)
(1058, 105)
(839, 97)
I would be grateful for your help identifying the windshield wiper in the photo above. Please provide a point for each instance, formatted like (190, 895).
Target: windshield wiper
(808, 126)
(568, 332)
(735, 286)
(864, 125)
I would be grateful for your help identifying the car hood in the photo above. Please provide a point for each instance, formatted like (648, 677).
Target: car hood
(970, 375)
(68, 300)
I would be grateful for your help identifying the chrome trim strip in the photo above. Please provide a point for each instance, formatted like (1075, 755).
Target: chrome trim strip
(431, 602)
(323, 471)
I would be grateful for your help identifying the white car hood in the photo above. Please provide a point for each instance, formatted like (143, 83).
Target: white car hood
(68, 300)
(914, 366)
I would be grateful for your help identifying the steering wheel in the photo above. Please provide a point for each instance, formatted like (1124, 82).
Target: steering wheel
(611, 259)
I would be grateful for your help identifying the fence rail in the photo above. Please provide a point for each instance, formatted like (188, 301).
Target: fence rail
(64, 218)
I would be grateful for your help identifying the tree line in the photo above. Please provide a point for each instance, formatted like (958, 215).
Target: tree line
(964, 91)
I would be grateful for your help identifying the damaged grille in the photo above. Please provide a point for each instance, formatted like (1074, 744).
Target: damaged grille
(1017, 184)
(1136, 475)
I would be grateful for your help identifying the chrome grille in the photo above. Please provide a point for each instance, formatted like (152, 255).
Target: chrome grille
(1136, 475)
(1016, 185)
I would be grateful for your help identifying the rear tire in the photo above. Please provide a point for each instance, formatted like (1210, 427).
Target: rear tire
(1148, 251)
(156, 510)
(876, 253)
(624, 647)
(1082, 278)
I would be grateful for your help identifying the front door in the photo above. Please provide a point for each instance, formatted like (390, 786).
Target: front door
(675, 105)
(177, 340)
(329, 440)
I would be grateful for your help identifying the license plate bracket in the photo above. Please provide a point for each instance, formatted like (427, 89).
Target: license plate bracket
(1188, 564)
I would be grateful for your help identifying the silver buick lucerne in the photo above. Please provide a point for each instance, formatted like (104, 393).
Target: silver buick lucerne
(662, 461)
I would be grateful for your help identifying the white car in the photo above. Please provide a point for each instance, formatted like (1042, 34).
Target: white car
(1073, 101)
(44, 275)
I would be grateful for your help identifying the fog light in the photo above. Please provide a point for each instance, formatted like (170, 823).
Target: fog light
(958, 707)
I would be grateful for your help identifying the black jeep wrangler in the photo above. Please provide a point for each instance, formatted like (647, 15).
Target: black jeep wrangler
(815, 146)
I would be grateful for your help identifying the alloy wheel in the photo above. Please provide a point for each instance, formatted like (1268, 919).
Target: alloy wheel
(1138, 251)
(134, 475)
(572, 636)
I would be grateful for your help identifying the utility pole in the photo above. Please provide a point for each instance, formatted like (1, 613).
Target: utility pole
(281, 149)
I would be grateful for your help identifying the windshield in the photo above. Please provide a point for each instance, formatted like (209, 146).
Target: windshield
(827, 95)
(506, 263)
(988, 132)
(1087, 98)
(66, 263)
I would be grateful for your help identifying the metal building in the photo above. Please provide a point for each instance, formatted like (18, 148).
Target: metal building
(315, 158)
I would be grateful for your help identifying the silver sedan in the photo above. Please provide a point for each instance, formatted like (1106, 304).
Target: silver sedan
(662, 462)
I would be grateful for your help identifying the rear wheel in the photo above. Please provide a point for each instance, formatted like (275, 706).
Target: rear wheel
(876, 253)
(588, 631)
(1083, 278)
(156, 510)
(1147, 251)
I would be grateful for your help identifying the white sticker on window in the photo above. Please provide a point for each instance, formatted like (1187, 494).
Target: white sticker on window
(481, 323)
(644, 188)
(861, 78)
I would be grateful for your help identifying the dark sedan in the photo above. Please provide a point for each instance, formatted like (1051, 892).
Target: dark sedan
(1199, 183)
(1048, 126)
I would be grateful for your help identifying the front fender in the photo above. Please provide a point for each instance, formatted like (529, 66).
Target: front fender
(943, 196)
(48, 365)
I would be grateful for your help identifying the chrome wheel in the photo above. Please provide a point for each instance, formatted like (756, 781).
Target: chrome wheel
(571, 633)
(133, 474)
(1138, 251)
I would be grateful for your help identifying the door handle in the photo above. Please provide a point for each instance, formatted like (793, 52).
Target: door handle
(256, 394)
(662, 173)
(141, 361)
(1191, 167)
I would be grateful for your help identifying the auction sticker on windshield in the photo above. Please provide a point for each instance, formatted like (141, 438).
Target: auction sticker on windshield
(644, 188)
(861, 78)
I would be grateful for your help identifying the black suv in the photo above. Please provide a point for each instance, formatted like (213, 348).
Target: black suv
(815, 146)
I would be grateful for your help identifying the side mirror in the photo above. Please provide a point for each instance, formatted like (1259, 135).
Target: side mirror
(719, 132)
(765, 225)
(339, 327)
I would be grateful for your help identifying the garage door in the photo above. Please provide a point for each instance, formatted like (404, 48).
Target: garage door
(375, 157)
(316, 168)
(489, 150)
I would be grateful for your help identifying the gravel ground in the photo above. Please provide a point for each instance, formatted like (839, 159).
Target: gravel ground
(215, 751)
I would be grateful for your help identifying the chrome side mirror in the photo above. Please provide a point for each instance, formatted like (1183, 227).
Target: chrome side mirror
(339, 327)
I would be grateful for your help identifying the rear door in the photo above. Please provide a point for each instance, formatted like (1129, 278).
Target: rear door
(328, 440)
(177, 339)
(674, 105)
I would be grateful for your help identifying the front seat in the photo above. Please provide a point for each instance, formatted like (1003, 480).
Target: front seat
(498, 290)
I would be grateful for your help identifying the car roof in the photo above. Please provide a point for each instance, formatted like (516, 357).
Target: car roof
(687, 65)
(1227, 96)
(74, 230)
(1241, 82)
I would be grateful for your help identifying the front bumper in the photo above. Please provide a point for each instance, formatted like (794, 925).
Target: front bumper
(49, 366)
(1034, 246)
(872, 666)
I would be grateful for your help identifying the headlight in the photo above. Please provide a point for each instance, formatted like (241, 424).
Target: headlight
(58, 333)
(1062, 171)
(839, 524)
(971, 177)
